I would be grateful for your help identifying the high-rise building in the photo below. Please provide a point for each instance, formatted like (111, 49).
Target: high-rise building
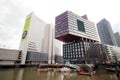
(106, 33)
(117, 37)
(37, 41)
(80, 38)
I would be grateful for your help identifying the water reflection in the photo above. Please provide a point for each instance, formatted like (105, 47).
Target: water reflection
(30, 74)
(114, 77)
(20, 74)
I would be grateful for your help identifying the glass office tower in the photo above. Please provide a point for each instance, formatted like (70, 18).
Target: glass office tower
(106, 33)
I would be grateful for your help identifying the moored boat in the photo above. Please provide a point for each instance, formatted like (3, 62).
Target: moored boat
(86, 70)
(85, 73)
(65, 69)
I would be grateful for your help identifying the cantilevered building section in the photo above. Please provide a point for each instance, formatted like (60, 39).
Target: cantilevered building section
(36, 42)
(70, 26)
(79, 36)
(106, 33)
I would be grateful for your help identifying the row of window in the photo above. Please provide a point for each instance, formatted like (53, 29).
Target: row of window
(73, 47)
(73, 50)
(73, 56)
(74, 53)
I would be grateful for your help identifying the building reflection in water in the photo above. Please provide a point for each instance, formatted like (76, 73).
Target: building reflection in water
(51, 75)
(114, 77)
(11, 74)
(20, 74)
(60, 76)
(31, 74)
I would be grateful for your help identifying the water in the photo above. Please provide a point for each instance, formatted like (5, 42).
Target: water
(31, 74)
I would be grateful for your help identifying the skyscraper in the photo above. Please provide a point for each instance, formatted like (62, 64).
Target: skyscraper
(79, 36)
(117, 37)
(106, 33)
(36, 42)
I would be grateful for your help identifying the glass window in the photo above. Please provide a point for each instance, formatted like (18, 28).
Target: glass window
(79, 55)
(76, 56)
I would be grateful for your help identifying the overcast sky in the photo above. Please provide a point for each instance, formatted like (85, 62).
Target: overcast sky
(13, 13)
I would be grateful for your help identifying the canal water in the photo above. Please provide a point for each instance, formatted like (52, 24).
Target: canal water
(31, 74)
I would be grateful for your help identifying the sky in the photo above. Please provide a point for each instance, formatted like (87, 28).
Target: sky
(14, 12)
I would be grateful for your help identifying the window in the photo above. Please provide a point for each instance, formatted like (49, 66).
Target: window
(80, 25)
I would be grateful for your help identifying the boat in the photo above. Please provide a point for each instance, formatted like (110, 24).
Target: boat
(86, 70)
(65, 69)
(85, 73)
(37, 69)
(72, 66)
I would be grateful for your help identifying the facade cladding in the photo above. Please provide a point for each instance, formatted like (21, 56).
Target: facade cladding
(69, 27)
(82, 52)
(106, 33)
(58, 59)
(80, 38)
(36, 57)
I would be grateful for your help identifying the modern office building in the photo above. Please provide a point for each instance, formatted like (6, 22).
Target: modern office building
(37, 41)
(106, 33)
(78, 35)
(79, 52)
(70, 26)
(117, 37)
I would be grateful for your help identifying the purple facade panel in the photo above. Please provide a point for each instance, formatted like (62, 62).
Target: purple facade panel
(61, 25)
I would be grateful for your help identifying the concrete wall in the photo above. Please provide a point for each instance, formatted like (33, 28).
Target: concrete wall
(8, 56)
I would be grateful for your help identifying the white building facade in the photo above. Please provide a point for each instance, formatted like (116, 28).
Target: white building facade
(112, 52)
(37, 38)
